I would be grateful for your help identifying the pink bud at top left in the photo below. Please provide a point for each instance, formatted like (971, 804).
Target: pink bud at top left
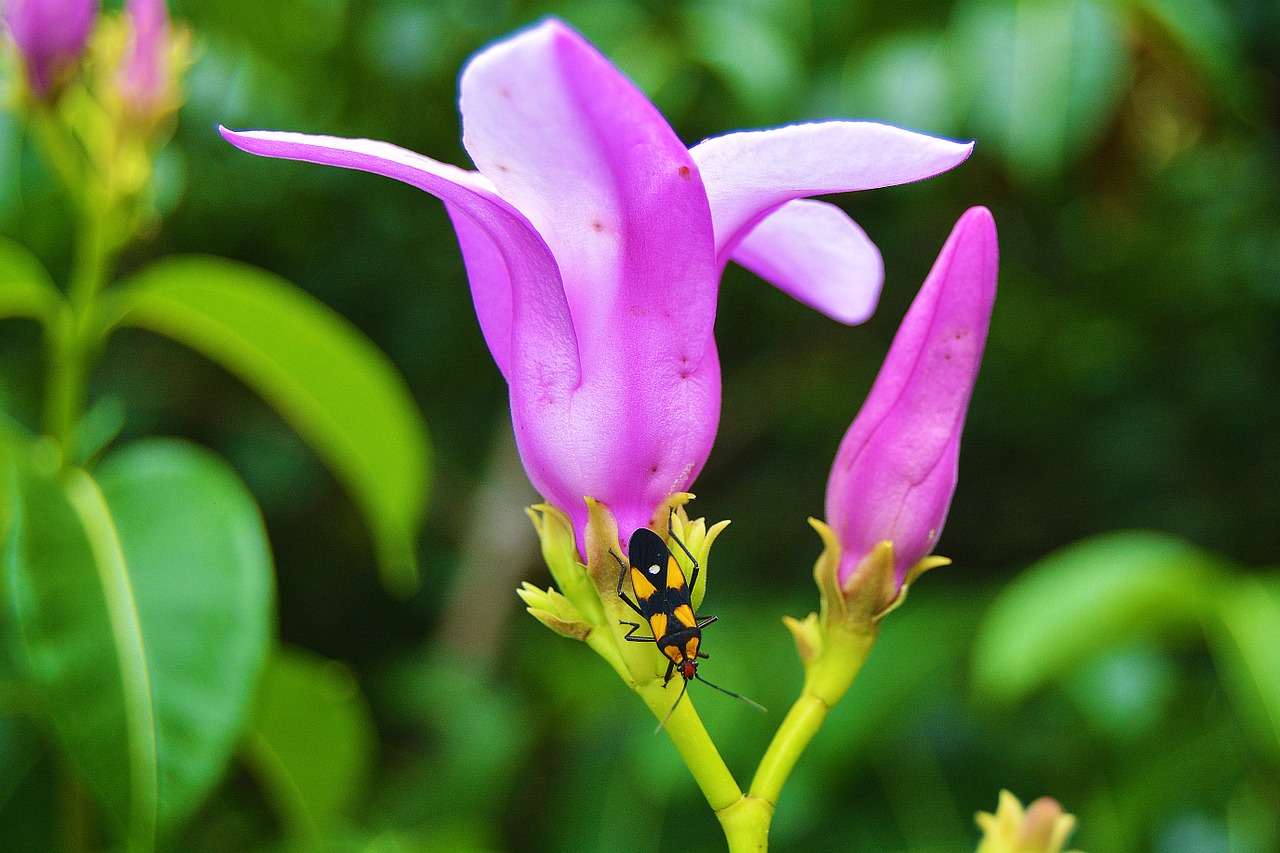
(50, 35)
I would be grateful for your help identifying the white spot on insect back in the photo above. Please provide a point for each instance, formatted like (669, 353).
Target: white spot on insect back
(653, 570)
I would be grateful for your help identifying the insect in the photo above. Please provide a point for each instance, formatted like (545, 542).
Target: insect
(665, 604)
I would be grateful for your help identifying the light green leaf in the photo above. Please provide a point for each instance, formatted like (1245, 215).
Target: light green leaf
(312, 741)
(1246, 645)
(143, 602)
(203, 584)
(328, 381)
(1088, 598)
(25, 287)
(1044, 77)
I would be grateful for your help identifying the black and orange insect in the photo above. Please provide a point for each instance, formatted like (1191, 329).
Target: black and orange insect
(665, 603)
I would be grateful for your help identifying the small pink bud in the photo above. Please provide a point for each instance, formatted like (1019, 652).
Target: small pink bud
(51, 36)
(146, 77)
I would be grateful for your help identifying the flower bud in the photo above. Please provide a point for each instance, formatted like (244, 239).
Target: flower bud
(896, 468)
(147, 78)
(51, 36)
(1042, 827)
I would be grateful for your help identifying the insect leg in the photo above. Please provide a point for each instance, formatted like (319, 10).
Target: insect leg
(635, 626)
(622, 576)
(671, 532)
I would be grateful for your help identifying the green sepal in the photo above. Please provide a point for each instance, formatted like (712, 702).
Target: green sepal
(640, 662)
(555, 611)
(560, 551)
(930, 562)
(808, 636)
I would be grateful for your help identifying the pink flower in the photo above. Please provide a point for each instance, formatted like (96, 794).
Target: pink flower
(896, 468)
(594, 241)
(145, 76)
(50, 35)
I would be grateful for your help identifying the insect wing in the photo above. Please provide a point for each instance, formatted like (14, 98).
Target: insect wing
(649, 557)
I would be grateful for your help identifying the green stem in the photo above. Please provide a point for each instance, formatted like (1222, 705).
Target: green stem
(684, 727)
(797, 730)
(746, 824)
(695, 746)
(60, 150)
(827, 679)
(73, 336)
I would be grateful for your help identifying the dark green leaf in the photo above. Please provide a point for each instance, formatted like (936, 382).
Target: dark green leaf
(28, 788)
(1088, 598)
(312, 741)
(1212, 38)
(328, 381)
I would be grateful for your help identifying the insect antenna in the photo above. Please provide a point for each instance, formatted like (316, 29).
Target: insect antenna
(673, 708)
(751, 702)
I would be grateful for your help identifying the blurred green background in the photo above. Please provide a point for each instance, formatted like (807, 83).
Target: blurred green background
(1130, 155)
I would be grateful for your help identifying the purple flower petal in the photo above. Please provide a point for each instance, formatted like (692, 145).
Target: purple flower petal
(814, 252)
(533, 293)
(896, 469)
(749, 174)
(572, 144)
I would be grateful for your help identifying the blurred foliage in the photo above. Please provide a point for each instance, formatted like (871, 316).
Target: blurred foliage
(1130, 153)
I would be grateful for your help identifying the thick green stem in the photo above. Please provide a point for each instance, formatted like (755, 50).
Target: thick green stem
(746, 824)
(691, 740)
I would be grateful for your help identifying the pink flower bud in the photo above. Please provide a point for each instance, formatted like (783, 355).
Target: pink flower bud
(50, 35)
(896, 469)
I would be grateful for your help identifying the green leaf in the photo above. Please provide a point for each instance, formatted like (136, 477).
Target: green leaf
(25, 287)
(143, 602)
(328, 381)
(1090, 597)
(312, 741)
(203, 584)
(78, 628)
(1246, 645)
(1212, 38)
(29, 802)
(1044, 77)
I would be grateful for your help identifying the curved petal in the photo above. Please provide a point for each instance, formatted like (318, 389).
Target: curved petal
(814, 252)
(572, 144)
(748, 174)
(533, 296)
(490, 285)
